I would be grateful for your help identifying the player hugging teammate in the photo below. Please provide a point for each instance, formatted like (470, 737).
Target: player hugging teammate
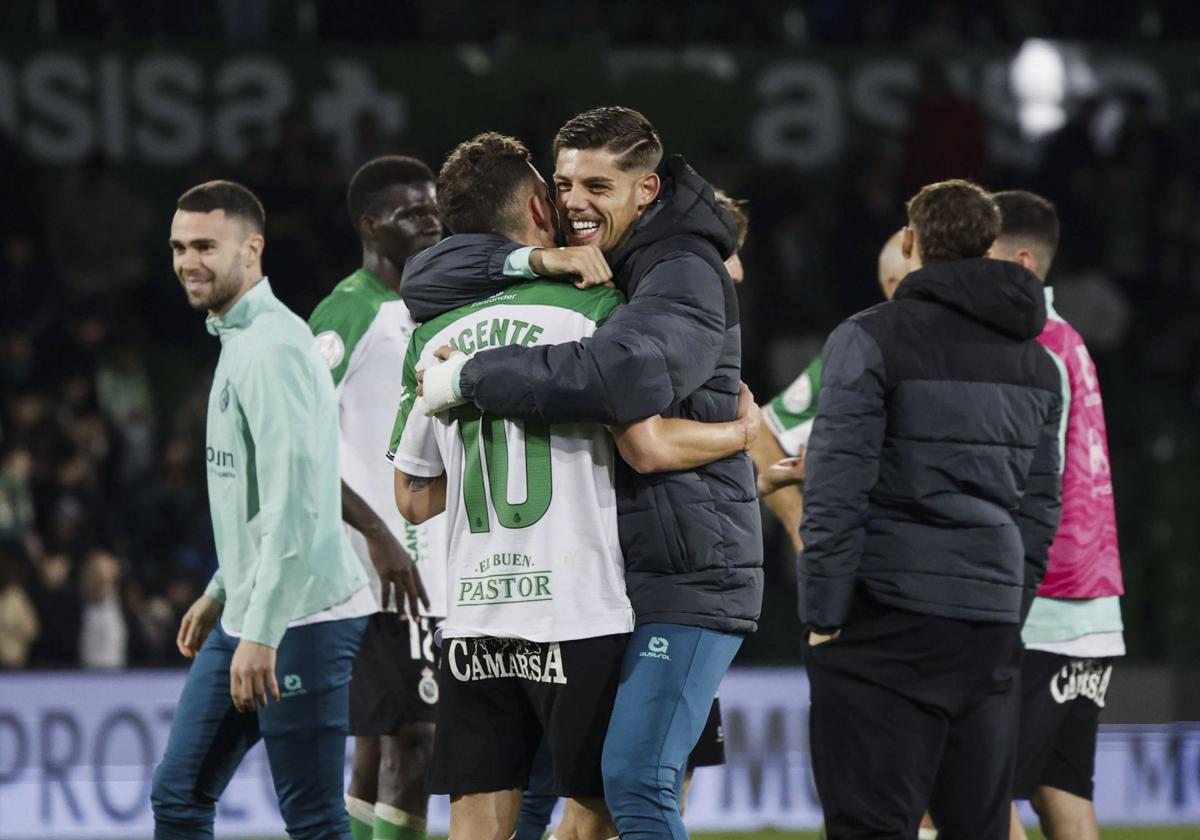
(572, 511)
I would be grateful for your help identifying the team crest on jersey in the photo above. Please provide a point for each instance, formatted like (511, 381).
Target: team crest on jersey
(224, 401)
(798, 397)
(427, 688)
(332, 348)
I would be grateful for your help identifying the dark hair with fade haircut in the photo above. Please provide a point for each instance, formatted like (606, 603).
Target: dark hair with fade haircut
(954, 220)
(613, 128)
(737, 209)
(477, 187)
(377, 175)
(1026, 215)
(229, 196)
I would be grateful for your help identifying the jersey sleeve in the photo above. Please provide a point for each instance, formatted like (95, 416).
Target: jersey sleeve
(790, 414)
(413, 448)
(339, 322)
(279, 396)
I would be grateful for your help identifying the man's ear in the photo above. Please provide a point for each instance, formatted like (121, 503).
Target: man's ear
(1027, 259)
(907, 241)
(366, 228)
(647, 190)
(540, 212)
(254, 245)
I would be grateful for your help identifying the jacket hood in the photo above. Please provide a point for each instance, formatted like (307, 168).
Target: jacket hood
(685, 205)
(999, 294)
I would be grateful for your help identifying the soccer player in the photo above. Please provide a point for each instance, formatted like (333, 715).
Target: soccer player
(538, 617)
(274, 635)
(561, 540)
(363, 330)
(691, 538)
(709, 751)
(779, 456)
(932, 495)
(1074, 628)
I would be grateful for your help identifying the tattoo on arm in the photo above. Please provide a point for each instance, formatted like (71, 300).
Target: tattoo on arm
(416, 483)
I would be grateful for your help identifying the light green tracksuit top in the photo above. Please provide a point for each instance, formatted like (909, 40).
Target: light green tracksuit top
(273, 483)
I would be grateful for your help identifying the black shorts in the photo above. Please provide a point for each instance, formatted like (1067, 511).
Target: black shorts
(1061, 699)
(710, 749)
(500, 696)
(395, 676)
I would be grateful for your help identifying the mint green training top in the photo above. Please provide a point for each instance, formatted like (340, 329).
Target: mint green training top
(273, 484)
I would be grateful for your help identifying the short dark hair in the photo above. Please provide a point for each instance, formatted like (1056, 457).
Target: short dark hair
(954, 220)
(737, 209)
(377, 175)
(477, 188)
(230, 196)
(1026, 215)
(613, 128)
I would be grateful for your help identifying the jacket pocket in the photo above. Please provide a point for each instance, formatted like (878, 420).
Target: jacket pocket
(690, 524)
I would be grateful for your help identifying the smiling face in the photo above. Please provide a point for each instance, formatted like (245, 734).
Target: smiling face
(406, 221)
(598, 203)
(216, 258)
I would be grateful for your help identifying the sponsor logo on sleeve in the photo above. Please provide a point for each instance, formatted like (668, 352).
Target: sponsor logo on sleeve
(332, 348)
(798, 397)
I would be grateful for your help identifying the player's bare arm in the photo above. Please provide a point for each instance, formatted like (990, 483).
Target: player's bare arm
(785, 500)
(419, 498)
(390, 560)
(663, 444)
(583, 261)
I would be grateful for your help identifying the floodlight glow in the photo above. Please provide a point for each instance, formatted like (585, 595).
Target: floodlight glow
(1039, 82)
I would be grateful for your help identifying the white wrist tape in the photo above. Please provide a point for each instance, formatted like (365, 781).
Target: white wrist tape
(440, 384)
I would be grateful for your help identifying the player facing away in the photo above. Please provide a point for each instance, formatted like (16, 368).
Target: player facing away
(779, 456)
(274, 635)
(1074, 628)
(363, 329)
(537, 618)
(932, 495)
(691, 538)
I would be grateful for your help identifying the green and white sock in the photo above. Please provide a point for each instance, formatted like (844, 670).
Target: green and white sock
(927, 834)
(362, 818)
(394, 824)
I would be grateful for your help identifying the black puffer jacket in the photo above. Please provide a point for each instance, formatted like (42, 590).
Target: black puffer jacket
(692, 540)
(933, 476)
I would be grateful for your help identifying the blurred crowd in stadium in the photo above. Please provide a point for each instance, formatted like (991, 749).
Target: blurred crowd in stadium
(930, 23)
(104, 533)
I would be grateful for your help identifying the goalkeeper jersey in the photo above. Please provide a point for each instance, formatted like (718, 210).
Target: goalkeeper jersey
(531, 512)
(790, 415)
(363, 329)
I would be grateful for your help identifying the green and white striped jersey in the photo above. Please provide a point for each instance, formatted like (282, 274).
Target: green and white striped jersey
(531, 511)
(790, 415)
(363, 330)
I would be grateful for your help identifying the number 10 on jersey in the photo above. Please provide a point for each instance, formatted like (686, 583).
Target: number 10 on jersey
(484, 440)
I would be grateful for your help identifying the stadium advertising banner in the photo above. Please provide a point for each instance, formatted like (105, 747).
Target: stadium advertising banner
(162, 107)
(78, 751)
